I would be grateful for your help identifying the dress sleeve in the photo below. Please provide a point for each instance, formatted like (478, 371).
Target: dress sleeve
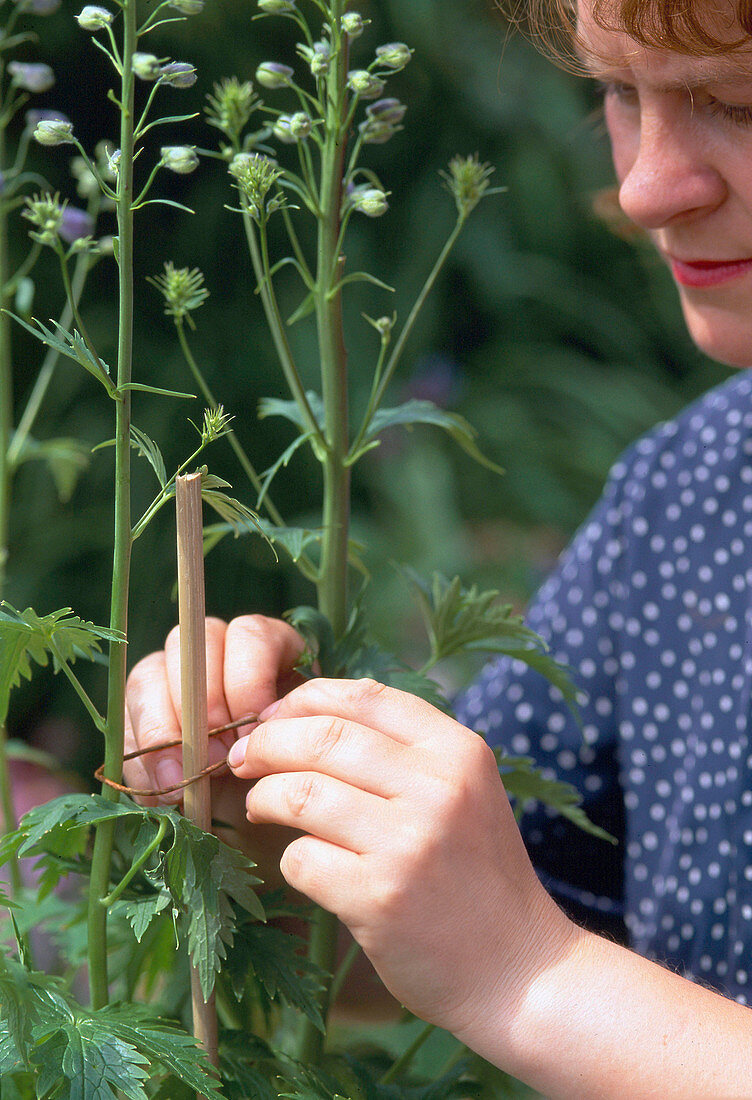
(516, 708)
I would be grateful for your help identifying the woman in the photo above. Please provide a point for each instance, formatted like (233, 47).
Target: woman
(406, 830)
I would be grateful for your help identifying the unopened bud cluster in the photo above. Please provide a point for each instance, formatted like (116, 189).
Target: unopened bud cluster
(45, 212)
(255, 176)
(182, 288)
(231, 106)
(468, 181)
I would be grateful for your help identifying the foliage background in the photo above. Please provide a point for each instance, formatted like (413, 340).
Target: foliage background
(559, 339)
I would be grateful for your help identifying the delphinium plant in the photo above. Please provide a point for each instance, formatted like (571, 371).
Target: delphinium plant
(22, 82)
(164, 899)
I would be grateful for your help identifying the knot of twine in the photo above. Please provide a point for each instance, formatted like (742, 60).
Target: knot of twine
(156, 791)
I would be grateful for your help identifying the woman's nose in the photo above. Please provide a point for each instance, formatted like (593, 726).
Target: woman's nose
(668, 176)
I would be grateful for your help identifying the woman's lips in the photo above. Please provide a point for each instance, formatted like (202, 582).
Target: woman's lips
(708, 273)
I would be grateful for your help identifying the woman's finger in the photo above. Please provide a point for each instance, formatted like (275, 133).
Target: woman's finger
(324, 807)
(260, 655)
(151, 721)
(402, 716)
(332, 746)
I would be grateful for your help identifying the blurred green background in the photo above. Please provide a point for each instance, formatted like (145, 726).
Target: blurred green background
(558, 339)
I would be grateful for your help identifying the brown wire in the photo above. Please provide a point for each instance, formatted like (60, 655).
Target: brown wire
(101, 778)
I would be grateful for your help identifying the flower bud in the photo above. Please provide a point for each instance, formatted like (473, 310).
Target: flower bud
(273, 75)
(31, 76)
(54, 132)
(389, 111)
(318, 57)
(365, 84)
(276, 7)
(187, 7)
(373, 132)
(43, 114)
(94, 18)
(384, 326)
(292, 128)
(182, 159)
(353, 24)
(146, 66)
(39, 7)
(395, 55)
(75, 224)
(178, 74)
(370, 201)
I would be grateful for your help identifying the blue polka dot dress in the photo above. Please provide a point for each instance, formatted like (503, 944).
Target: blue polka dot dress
(651, 606)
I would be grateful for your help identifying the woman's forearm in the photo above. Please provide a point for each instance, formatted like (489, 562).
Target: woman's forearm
(603, 1023)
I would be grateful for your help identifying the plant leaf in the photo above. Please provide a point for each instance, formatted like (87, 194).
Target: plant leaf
(66, 458)
(26, 636)
(459, 618)
(425, 412)
(72, 346)
(273, 957)
(525, 782)
(274, 406)
(203, 876)
(149, 450)
(269, 474)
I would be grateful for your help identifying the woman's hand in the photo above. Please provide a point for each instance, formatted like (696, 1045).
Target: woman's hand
(250, 664)
(409, 838)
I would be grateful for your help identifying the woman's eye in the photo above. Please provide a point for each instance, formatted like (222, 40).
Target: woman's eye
(618, 91)
(740, 114)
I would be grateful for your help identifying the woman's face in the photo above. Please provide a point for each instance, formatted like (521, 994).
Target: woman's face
(681, 136)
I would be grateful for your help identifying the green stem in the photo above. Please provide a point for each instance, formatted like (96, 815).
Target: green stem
(260, 259)
(47, 369)
(399, 346)
(343, 970)
(407, 1056)
(6, 388)
(113, 896)
(114, 736)
(7, 809)
(332, 585)
(6, 469)
(235, 443)
(79, 689)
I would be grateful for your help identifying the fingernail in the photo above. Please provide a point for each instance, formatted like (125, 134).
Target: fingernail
(270, 710)
(236, 755)
(168, 773)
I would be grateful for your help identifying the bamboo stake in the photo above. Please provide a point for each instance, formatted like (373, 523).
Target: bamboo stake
(192, 612)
